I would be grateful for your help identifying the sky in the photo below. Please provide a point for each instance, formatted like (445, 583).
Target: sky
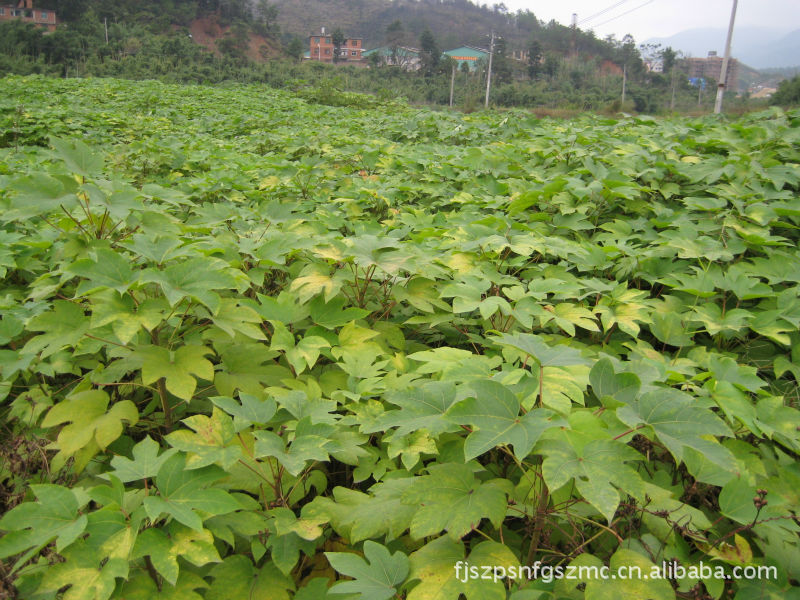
(661, 18)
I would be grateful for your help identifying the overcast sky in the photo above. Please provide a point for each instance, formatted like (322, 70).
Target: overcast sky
(661, 18)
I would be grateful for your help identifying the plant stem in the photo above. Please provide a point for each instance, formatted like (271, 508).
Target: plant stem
(541, 384)
(162, 392)
(152, 572)
(541, 511)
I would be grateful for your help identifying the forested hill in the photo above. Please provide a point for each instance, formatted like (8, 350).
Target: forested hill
(155, 12)
(453, 23)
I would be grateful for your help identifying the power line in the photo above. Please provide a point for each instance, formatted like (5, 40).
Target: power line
(602, 12)
(623, 14)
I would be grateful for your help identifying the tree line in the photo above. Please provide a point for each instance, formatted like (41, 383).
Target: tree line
(562, 67)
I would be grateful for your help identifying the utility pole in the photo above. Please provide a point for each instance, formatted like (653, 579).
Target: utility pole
(624, 81)
(489, 72)
(723, 76)
(672, 99)
(452, 83)
(574, 34)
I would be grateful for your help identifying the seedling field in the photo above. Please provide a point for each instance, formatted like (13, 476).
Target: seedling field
(255, 346)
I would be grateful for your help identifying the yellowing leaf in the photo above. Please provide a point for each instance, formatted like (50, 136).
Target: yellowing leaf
(178, 367)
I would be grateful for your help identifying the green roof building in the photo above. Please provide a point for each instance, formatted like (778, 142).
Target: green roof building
(468, 55)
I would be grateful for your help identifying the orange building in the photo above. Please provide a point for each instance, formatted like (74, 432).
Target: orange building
(24, 11)
(320, 47)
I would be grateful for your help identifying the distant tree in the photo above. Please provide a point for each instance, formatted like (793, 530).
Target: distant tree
(374, 60)
(629, 55)
(501, 64)
(429, 55)
(534, 58)
(338, 40)
(527, 21)
(71, 10)
(265, 18)
(394, 38)
(295, 48)
(551, 65)
(668, 58)
(649, 52)
(788, 93)
(235, 42)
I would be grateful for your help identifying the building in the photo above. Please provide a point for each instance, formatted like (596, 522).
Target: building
(321, 48)
(24, 11)
(711, 68)
(655, 66)
(520, 55)
(407, 59)
(467, 55)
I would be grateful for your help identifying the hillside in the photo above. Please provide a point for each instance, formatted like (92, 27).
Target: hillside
(758, 47)
(208, 31)
(453, 22)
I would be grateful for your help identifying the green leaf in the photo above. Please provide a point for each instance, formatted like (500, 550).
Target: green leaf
(668, 327)
(377, 578)
(441, 571)
(613, 389)
(311, 442)
(247, 367)
(64, 326)
(251, 410)
(125, 316)
(145, 464)
(77, 156)
(736, 501)
(726, 369)
(157, 248)
(410, 447)
(194, 278)
(90, 577)
(211, 442)
(109, 270)
(421, 293)
(547, 356)
(89, 420)
(236, 579)
(451, 498)
(313, 280)
(359, 516)
(32, 525)
(315, 589)
(234, 316)
(679, 422)
(285, 307)
(182, 493)
(142, 587)
(197, 547)
(623, 561)
(177, 367)
(333, 314)
(598, 468)
(566, 315)
(494, 413)
(421, 407)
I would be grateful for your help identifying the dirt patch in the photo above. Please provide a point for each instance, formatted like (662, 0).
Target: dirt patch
(208, 30)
